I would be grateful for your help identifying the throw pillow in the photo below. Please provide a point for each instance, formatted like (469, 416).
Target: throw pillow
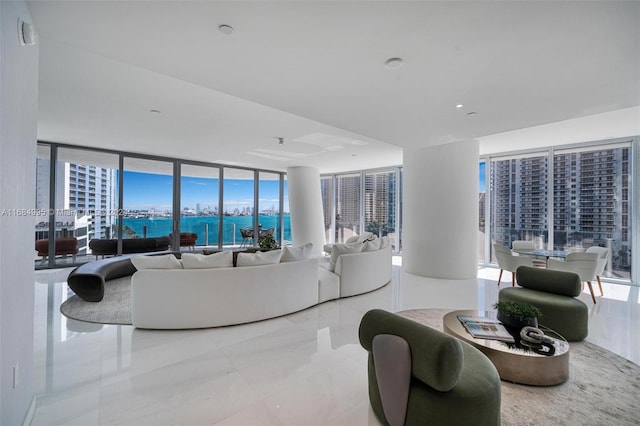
(223, 259)
(259, 258)
(165, 261)
(373, 245)
(291, 254)
(340, 249)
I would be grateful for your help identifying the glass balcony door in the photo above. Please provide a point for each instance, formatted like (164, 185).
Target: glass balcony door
(147, 200)
(199, 199)
(238, 208)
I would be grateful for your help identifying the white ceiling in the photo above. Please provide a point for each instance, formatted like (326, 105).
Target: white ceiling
(312, 72)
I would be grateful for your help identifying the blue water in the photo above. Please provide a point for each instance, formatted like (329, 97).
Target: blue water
(162, 226)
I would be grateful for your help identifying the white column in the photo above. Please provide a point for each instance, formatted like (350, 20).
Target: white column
(440, 211)
(305, 207)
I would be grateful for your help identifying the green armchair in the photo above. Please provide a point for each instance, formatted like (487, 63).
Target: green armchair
(554, 293)
(418, 375)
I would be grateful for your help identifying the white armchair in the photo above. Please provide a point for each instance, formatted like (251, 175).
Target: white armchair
(509, 261)
(603, 258)
(525, 247)
(583, 264)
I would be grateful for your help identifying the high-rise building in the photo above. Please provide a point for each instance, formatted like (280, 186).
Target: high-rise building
(379, 202)
(591, 202)
(347, 206)
(590, 205)
(85, 201)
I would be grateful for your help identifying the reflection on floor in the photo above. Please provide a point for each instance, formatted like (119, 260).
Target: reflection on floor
(305, 368)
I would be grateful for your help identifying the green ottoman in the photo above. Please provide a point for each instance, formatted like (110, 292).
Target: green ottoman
(554, 293)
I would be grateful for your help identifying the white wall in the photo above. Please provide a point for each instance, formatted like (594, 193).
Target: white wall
(18, 121)
(440, 211)
(305, 207)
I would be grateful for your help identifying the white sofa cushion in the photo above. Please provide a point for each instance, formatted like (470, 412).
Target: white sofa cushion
(359, 238)
(223, 259)
(259, 258)
(165, 261)
(339, 249)
(291, 254)
(372, 245)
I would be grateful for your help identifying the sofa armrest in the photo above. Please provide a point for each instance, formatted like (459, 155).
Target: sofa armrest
(363, 272)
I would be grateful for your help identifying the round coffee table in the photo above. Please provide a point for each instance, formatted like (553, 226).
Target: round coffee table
(514, 362)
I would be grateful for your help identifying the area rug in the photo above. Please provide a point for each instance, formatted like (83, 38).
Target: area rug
(114, 308)
(603, 388)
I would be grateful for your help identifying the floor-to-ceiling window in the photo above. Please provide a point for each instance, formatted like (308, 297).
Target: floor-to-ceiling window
(79, 199)
(147, 198)
(347, 203)
(285, 216)
(199, 193)
(380, 204)
(269, 207)
(78, 196)
(238, 205)
(364, 201)
(583, 192)
(519, 191)
(326, 189)
(482, 225)
(591, 203)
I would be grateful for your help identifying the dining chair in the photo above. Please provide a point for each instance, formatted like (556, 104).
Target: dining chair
(524, 248)
(268, 231)
(247, 235)
(509, 261)
(603, 258)
(583, 264)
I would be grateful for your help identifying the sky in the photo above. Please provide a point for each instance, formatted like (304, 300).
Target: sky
(144, 191)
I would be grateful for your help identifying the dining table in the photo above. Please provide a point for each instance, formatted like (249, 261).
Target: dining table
(546, 253)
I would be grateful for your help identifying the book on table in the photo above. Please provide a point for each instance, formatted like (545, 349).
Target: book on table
(485, 328)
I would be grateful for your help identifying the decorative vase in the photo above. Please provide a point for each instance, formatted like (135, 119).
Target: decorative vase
(516, 323)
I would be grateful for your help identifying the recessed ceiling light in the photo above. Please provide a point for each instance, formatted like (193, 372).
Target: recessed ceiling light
(359, 143)
(155, 111)
(226, 29)
(393, 63)
(472, 113)
(459, 106)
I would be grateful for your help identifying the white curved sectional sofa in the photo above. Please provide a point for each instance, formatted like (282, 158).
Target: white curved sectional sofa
(200, 298)
(213, 297)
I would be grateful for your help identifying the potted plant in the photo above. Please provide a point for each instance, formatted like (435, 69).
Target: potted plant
(517, 314)
(267, 242)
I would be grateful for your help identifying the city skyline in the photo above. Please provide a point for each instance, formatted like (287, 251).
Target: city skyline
(148, 191)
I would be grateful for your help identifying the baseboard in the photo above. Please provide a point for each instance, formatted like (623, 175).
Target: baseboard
(30, 412)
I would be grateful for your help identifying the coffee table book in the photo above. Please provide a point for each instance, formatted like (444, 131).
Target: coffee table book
(485, 328)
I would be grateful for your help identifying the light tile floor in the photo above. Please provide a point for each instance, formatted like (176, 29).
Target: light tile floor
(302, 369)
